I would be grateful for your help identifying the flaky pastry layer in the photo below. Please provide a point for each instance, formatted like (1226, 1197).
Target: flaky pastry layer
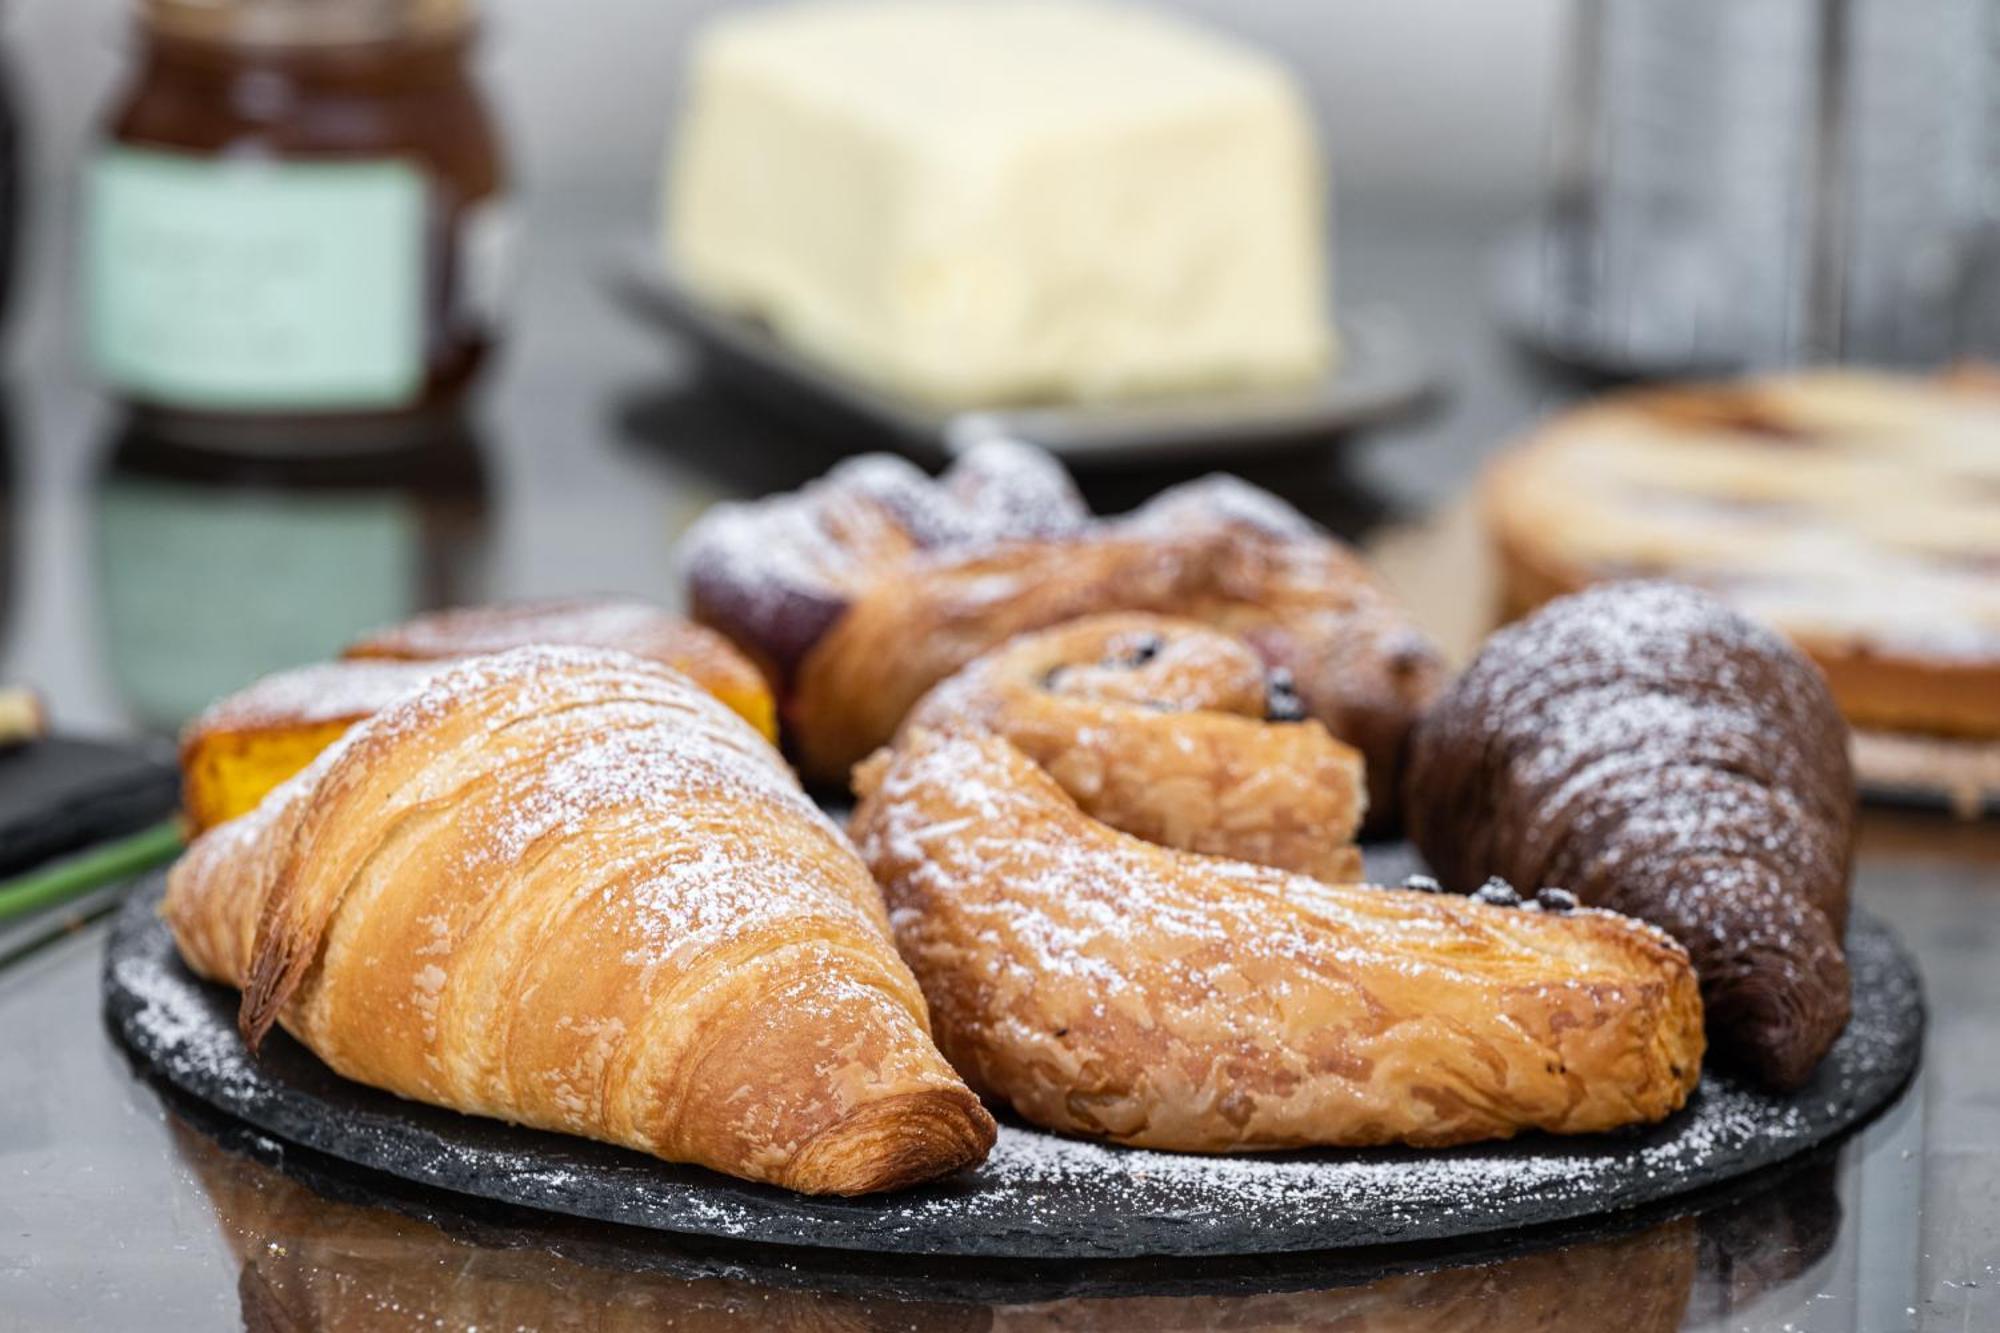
(1172, 732)
(1102, 985)
(569, 889)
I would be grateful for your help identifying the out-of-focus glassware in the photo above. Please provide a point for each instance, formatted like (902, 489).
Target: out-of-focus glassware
(296, 214)
(1747, 183)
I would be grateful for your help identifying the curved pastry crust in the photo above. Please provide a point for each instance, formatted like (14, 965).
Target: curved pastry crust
(569, 889)
(1663, 756)
(623, 625)
(867, 588)
(1102, 985)
(1162, 728)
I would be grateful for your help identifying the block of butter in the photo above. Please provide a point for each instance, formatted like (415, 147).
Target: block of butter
(1004, 202)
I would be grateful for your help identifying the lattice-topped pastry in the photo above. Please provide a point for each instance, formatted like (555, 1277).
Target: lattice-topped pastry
(1857, 513)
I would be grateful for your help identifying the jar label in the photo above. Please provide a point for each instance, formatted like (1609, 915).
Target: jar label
(248, 284)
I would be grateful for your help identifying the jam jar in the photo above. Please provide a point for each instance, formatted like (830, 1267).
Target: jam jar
(296, 213)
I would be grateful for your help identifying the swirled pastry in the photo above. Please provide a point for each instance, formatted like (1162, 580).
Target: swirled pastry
(1172, 732)
(1664, 756)
(569, 889)
(1102, 985)
(863, 590)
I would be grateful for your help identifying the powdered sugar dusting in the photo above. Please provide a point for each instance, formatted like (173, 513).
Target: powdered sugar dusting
(620, 623)
(623, 773)
(323, 692)
(1662, 754)
(948, 817)
(777, 571)
(1219, 499)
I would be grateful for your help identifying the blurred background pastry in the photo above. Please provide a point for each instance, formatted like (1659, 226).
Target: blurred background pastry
(1858, 513)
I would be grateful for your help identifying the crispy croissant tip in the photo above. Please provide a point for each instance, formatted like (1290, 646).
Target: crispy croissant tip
(894, 1143)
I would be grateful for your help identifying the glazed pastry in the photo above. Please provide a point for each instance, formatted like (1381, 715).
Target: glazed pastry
(567, 888)
(865, 589)
(242, 747)
(1661, 755)
(1102, 985)
(624, 625)
(1856, 512)
(1171, 732)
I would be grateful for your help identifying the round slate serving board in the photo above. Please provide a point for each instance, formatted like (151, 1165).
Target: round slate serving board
(1036, 1196)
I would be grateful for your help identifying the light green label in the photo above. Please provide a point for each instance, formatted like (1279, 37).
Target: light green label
(203, 590)
(246, 283)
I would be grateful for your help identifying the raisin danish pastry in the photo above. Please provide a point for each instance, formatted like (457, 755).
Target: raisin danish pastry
(864, 589)
(567, 888)
(1103, 984)
(1660, 754)
(1160, 728)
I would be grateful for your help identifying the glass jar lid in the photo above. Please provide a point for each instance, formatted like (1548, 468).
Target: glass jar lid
(305, 22)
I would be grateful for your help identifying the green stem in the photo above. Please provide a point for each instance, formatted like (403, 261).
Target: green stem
(76, 875)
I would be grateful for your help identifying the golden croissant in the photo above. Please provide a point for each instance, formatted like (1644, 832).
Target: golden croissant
(1100, 984)
(569, 889)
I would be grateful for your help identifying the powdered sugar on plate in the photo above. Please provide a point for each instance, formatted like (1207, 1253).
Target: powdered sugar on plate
(1037, 1195)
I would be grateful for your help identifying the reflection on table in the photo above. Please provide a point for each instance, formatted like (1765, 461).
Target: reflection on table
(363, 1261)
(216, 566)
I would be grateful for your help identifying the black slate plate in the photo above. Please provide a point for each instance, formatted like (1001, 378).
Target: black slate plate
(60, 795)
(1037, 1196)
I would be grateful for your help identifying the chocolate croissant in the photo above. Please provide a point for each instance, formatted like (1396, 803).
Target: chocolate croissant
(863, 590)
(1163, 729)
(1661, 755)
(569, 889)
(1101, 984)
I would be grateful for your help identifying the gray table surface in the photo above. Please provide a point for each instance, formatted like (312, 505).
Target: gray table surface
(139, 581)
